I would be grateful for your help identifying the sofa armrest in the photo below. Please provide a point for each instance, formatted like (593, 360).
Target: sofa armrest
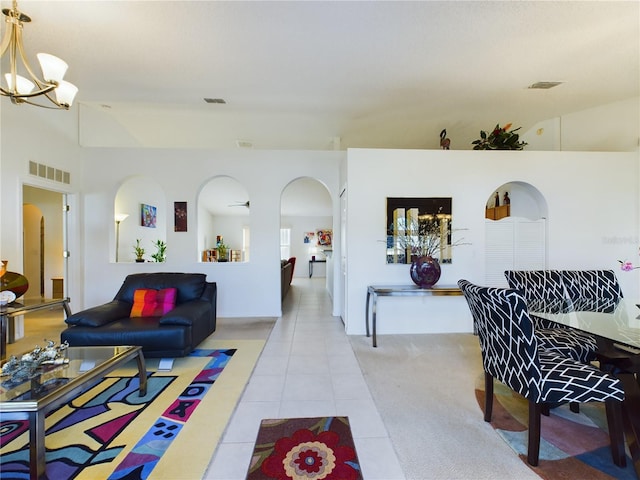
(100, 315)
(186, 313)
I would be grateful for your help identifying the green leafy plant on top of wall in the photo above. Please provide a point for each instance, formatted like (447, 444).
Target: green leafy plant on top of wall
(501, 138)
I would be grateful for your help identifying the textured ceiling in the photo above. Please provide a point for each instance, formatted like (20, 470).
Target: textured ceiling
(300, 74)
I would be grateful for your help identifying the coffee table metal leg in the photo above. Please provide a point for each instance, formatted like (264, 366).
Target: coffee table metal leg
(37, 465)
(142, 372)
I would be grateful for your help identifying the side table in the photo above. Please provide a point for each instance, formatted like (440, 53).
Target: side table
(311, 262)
(12, 310)
(375, 291)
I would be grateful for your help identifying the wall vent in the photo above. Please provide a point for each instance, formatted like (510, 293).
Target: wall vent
(49, 173)
(544, 85)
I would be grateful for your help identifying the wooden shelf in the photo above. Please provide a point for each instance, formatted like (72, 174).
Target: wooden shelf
(497, 213)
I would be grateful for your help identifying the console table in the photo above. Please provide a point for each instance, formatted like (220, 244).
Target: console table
(12, 310)
(311, 262)
(375, 291)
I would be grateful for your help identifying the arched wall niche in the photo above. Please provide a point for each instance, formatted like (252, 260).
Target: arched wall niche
(223, 216)
(143, 201)
(305, 209)
(526, 201)
(515, 237)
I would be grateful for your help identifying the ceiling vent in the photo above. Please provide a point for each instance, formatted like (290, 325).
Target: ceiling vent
(544, 85)
(215, 100)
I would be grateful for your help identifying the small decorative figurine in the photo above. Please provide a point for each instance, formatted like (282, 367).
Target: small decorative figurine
(506, 200)
(445, 143)
(497, 200)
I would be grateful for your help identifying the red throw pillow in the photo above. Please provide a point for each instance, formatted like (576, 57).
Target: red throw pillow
(148, 302)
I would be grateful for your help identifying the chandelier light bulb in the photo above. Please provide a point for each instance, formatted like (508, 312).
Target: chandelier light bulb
(65, 92)
(53, 68)
(23, 85)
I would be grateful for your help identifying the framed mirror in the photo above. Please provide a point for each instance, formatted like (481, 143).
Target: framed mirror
(417, 227)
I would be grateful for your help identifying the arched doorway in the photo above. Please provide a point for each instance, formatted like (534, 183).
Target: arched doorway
(306, 223)
(43, 241)
(515, 231)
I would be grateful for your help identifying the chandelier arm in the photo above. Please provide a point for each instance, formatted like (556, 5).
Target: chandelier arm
(7, 38)
(57, 106)
(44, 91)
(43, 85)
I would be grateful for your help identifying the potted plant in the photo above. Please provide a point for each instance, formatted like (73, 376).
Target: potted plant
(222, 252)
(161, 251)
(501, 138)
(139, 251)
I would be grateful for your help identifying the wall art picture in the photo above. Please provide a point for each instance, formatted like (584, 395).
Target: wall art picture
(180, 216)
(148, 216)
(309, 237)
(325, 237)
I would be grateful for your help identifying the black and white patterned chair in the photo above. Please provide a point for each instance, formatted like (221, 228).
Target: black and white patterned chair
(544, 292)
(592, 290)
(510, 353)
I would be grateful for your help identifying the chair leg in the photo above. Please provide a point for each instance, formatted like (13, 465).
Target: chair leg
(545, 409)
(488, 396)
(535, 410)
(574, 407)
(616, 431)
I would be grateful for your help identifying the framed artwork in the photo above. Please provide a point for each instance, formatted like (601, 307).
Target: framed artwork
(416, 224)
(148, 216)
(309, 237)
(180, 216)
(325, 237)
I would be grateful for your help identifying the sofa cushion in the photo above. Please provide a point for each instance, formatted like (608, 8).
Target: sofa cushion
(190, 285)
(148, 302)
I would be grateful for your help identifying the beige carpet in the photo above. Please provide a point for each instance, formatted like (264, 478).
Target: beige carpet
(424, 389)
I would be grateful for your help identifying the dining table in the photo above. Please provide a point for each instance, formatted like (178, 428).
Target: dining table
(616, 328)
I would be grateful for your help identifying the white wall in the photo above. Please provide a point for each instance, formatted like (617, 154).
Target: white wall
(593, 205)
(47, 137)
(244, 289)
(614, 127)
(588, 195)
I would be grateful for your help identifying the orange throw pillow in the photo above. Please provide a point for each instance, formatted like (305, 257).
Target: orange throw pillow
(148, 302)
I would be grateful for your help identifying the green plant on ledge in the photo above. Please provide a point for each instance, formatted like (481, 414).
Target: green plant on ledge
(161, 251)
(501, 138)
(139, 251)
(222, 252)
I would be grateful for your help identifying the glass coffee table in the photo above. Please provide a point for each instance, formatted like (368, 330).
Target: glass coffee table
(55, 385)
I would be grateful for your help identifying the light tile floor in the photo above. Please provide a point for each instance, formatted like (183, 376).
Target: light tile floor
(307, 369)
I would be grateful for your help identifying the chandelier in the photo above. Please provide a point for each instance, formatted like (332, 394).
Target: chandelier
(25, 90)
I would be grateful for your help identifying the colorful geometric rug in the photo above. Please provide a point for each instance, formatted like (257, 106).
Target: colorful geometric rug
(109, 432)
(305, 449)
(572, 445)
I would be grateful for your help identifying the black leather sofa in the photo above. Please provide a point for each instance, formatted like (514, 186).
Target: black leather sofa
(174, 334)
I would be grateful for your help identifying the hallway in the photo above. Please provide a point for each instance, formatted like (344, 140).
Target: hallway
(307, 369)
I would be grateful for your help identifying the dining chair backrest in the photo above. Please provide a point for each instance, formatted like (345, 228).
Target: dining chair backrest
(592, 290)
(543, 290)
(508, 345)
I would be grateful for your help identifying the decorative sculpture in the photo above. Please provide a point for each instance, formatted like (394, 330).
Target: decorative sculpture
(445, 143)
